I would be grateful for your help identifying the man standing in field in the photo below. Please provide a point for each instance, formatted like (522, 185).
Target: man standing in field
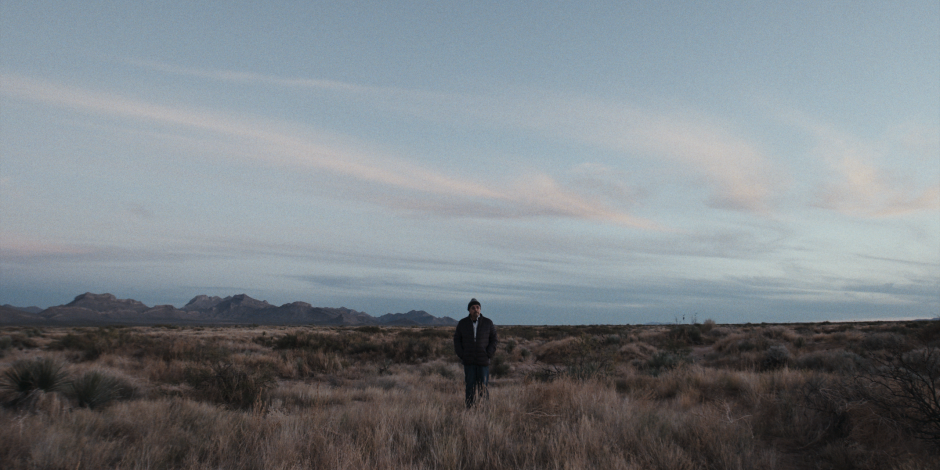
(475, 343)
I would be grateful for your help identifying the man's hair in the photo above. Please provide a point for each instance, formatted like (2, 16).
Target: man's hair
(472, 303)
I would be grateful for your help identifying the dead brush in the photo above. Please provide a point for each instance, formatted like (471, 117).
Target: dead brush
(720, 411)
(231, 384)
(95, 389)
(905, 386)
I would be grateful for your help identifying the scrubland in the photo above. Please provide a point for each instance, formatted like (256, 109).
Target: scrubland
(682, 396)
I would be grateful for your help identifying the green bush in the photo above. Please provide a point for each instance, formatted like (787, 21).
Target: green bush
(94, 389)
(41, 373)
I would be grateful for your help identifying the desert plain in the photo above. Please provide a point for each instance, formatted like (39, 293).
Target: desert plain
(860, 395)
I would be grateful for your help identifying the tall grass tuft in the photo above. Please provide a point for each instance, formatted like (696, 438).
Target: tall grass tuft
(95, 389)
(233, 385)
(41, 373)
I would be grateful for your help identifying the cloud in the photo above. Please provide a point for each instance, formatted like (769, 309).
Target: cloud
(890, 175)
(860, 187)
(530, 196)
(740, 176)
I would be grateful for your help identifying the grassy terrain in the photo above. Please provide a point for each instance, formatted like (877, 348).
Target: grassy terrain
(684, 396)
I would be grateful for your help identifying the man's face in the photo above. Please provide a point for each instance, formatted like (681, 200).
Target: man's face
(474, 312)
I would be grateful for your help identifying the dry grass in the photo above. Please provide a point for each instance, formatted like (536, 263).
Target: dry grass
(618, 397)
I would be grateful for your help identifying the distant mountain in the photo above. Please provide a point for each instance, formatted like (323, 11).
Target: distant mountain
(23, 309)
(14, 316)
(202, 302)
(97, 309)
(414, 317)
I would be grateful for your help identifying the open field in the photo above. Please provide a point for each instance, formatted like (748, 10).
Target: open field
(683, 396)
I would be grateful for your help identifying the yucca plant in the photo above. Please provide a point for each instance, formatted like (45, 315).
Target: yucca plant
(94, 389)
(41, 373)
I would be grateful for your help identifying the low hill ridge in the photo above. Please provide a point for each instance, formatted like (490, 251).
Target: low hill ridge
(99, 309)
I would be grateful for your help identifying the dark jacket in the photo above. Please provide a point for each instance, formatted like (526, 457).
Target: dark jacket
(479, 352)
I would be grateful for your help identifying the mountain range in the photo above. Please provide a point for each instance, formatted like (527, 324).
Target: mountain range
(106, 309)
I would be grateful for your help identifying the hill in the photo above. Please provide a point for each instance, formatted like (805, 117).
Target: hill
(107, 309)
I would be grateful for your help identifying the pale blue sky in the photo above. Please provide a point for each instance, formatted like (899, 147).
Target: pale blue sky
(563, 162)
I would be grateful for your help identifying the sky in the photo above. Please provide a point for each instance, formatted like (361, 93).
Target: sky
(617, 162)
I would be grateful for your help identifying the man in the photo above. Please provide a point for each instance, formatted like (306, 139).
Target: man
(475, 343)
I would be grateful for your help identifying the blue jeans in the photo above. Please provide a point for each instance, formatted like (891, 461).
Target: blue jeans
(477, 378)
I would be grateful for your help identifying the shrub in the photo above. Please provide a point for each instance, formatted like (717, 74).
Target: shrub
(6, 342)
(545, 374)
(557, 351)
(412, 350)
(94, 389)
(839, 361)
(683, 335)
(441, 369)
(93, 343)
(775, 357)
(41, 373)
(21, 341)
(881, 341)
(32, 332)
(307, 363)
(499, 367)
(661, 362)
(231, 384)
(314, 342)
(441, 333)
(929, 333)
(707, 326)
(906, 386)
(738, 343)
(89, 344)
(524, 332)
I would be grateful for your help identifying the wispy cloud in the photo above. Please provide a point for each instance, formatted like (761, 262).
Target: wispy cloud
(740, 176)
(529, 196)
(861, 184)
(883, 176)
(250, 77)
(866, 190)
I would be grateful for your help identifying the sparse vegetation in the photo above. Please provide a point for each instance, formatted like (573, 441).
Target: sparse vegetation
(95, 389)
(654, 397)
(26, 375)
